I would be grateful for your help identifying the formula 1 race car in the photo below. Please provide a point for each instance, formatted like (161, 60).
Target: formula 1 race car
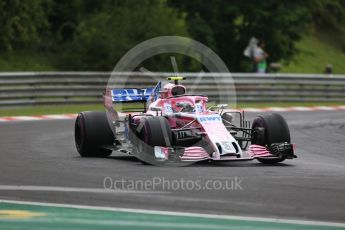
(174, 127)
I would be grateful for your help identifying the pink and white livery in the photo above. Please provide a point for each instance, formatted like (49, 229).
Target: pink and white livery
(175, 127)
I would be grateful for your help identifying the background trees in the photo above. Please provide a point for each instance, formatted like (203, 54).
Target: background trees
(103, 34)
(233, 23)
(93, 35)
(23, 23)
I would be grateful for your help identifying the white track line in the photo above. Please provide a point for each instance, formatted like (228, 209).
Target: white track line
(39, 118)
(276, 109)
(184, 214)
(302, 108)
(69, 189)
(27, 118)
(56, 117)
(325, 108)
(254, 110)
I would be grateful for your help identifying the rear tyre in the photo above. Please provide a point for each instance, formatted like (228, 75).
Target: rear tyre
(91, 132)
(155, 131)
(268, 129)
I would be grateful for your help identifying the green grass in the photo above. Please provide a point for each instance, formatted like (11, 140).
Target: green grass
(26, 61)
(286, 104)
(42, 110)
(317, 49)
(32, 217)
(65, 109)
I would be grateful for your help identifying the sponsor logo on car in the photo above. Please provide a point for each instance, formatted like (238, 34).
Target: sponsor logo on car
(212, 118)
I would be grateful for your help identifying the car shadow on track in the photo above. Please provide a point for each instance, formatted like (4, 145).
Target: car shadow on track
(124, 158)
(253, 163)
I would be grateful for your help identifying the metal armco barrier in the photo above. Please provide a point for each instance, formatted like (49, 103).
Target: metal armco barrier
(29, 88)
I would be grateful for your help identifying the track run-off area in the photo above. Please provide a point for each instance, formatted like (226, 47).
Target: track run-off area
(45, 184)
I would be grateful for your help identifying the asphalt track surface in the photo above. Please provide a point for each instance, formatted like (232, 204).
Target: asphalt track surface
(38, 162)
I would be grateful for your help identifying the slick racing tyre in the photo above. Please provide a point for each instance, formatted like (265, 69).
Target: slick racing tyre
(152, 131)
(268, 129)
(91, 132)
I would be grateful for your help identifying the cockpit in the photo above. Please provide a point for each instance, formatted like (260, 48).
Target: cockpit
(172, 98)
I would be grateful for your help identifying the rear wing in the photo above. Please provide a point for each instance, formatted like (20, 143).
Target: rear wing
(130, 95)
(116, 100)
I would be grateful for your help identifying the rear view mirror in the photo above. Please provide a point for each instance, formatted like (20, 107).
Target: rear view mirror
(222, 106)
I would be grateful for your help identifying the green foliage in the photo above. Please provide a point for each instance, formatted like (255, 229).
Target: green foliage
(233, 23)
(316, 51)
(24, 60)
(94, 35)
(22, 23)
(104, 36)
(328, 13)
(64, 18)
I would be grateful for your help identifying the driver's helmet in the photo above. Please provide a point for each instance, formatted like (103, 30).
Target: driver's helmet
(171, 90)
(163, 94)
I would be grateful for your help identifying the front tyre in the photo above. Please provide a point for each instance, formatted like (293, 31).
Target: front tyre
(154, 131)
(91, 132)
(269, 129)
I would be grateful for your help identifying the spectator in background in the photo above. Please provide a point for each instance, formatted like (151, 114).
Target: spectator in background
(249, 52)
(260, 57)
